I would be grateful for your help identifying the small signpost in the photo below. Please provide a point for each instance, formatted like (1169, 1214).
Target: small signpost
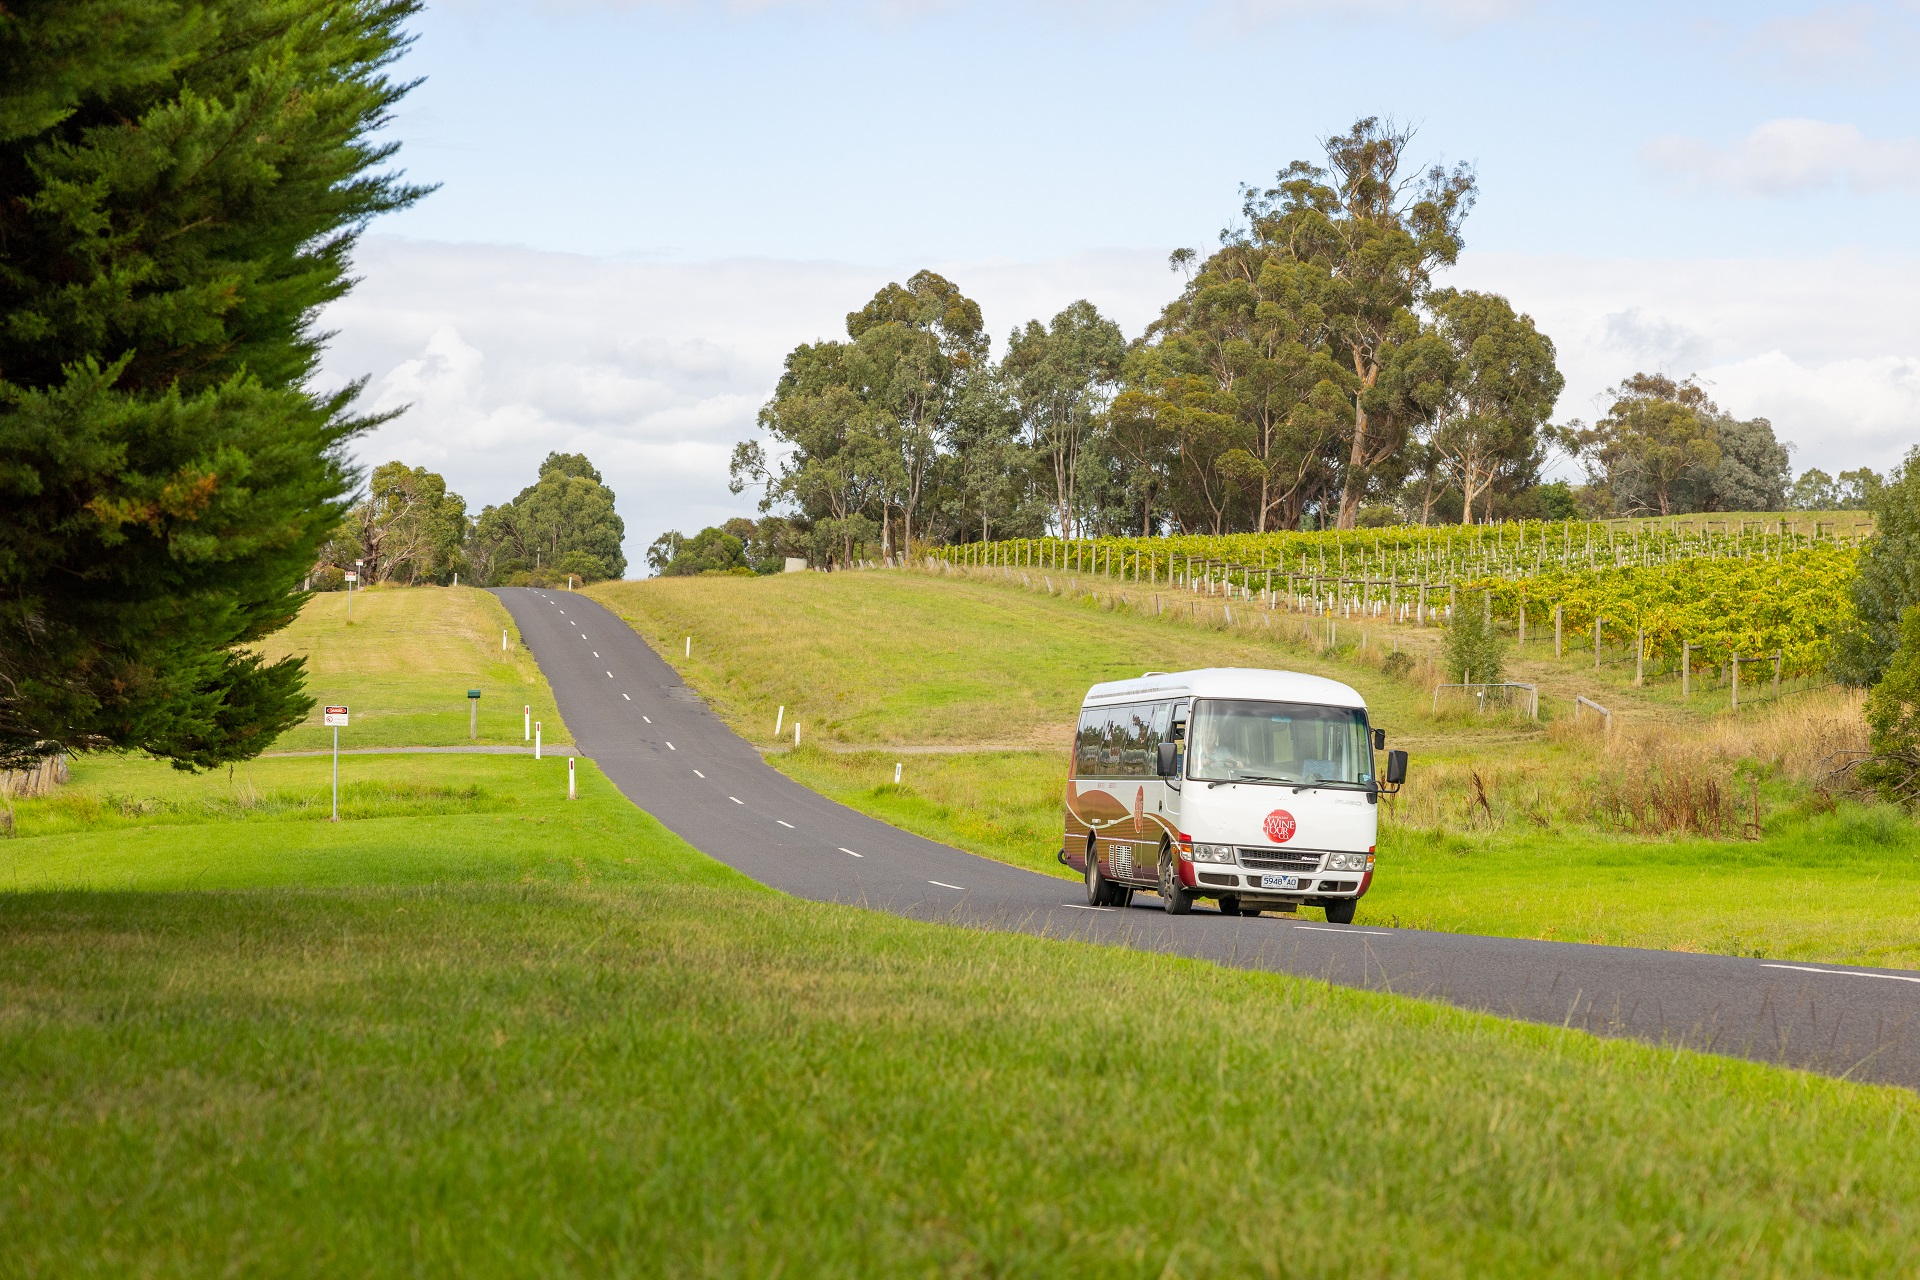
(526, 723)
(335, 718)
(473, 714)
(572, 794)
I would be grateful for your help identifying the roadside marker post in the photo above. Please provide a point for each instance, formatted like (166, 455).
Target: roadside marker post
(473, 714)
(526, 724)
(536, 739)
(503, 639)
(572, 794)
(778, 721)
(689, 646)
(336, 719)
(796, 733)
(896, 773)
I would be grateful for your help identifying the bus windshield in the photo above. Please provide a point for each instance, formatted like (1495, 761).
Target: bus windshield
(1232, 741)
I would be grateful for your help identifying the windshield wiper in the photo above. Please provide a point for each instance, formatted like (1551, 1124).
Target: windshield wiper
(1249, 777)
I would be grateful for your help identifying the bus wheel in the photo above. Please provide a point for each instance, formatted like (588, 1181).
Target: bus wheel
(1096, 883)
(1177, 897)
(1340, 910)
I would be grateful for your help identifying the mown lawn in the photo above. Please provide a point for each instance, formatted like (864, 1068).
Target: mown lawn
(480, 1029)
(404, 666)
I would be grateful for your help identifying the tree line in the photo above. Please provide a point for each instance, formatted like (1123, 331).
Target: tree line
(407, 529)
(1309, 374)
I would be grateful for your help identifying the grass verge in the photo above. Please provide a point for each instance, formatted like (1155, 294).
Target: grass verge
(404, 666)
(603, 1054)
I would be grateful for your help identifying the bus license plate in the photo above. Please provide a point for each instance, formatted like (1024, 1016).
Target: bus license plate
(1279, 882)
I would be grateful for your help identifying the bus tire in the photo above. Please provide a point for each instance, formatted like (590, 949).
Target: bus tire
(1177, 897)
(1340, 910)
(1097, 893)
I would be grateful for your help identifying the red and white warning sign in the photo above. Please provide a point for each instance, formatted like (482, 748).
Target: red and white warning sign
(334, 718)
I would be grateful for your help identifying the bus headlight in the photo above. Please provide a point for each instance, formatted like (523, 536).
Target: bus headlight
(1212, 852)
(1348, 862)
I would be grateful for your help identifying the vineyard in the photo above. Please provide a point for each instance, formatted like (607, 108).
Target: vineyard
(1683, 595)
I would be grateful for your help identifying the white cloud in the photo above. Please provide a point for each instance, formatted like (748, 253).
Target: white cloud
(652, 369)
(1782, 157)
(1828, 349)
(655, 369)
(1833, 42)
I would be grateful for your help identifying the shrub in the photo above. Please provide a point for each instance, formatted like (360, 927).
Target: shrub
(1893, 721)
(1474, 649)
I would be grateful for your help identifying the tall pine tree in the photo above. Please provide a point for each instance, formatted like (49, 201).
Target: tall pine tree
(181, 182)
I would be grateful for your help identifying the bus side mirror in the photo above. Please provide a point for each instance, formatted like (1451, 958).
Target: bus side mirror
(1379, 739)
(1169, 759)
(1396, 768)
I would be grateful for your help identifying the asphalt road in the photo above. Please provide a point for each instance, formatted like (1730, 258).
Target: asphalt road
(668, 753)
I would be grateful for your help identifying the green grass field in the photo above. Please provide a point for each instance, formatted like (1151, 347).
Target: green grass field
(479, 1029)
(907, 658)
(405, 664)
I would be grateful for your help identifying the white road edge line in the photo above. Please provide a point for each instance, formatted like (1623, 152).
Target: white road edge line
(1841, 973)
(846, 850)
(1321, 928)
(1081, 906)
(788, 825)
(944, 885)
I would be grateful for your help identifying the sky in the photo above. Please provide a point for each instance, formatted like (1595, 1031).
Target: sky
(642, 206)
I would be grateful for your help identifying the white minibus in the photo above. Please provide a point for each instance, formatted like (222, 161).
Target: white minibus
(1253, 788)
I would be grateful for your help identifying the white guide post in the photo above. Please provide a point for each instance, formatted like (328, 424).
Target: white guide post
(779, 720)
(572, 792)
(526, 723)
(896, 773)
(503, 639)
(796, 733)
(536, 739)
(689, 646)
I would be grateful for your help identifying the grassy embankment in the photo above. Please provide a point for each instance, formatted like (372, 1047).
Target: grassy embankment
(476, 1027)
(1572, 841)
(404, 666)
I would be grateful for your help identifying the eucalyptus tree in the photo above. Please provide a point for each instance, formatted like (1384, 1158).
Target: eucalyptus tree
(1489, 382)
(915, 346)
(1375, 236)
(1062, 376)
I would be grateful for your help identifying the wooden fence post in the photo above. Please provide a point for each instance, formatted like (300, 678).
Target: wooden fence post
(1778, 656)
(1736, 682)
(1686, 669)
(1596, 642)
(1639, 657)
(1558, 611)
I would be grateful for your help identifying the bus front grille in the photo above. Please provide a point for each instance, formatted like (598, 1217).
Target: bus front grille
(1274, 860)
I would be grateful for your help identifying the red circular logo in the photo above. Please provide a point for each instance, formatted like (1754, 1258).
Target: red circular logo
(1280, 826)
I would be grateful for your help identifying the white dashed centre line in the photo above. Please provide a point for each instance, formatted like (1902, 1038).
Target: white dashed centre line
(648, 719)
(609, 674)
(944, 885)
(627, 696)
(1321, 928)
(1840, 973)
(596, 652)
(698, 774)
(671, 747)
(736, 799)
(788, 825)
(851, 853)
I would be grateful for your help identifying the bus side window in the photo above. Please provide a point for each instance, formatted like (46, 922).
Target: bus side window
(1137, 753)
(1086, 756)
